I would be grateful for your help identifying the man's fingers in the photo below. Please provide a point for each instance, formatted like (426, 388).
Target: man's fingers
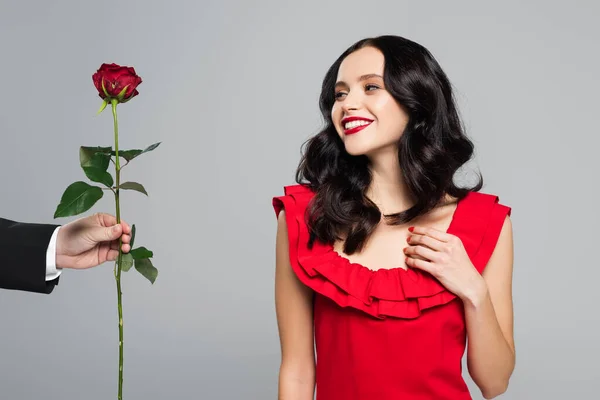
(106, 219)
(126, 227)
(126, 238)
(112, 255)
(114, 246)
(110, 220)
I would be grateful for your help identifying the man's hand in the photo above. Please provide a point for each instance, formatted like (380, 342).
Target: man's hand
(91, 241)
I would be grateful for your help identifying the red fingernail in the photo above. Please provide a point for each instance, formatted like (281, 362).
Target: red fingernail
(412, 228)
(408, 239)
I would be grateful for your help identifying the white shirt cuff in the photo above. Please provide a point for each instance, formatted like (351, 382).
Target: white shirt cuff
(52, 272)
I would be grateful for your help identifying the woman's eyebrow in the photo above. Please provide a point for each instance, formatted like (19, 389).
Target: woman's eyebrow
(360, 79)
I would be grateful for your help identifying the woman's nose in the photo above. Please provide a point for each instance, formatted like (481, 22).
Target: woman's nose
(350, 104)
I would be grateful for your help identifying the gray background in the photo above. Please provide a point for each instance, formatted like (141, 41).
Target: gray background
(231, 90)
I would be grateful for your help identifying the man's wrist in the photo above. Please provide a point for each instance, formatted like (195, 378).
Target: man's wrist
(52, 270)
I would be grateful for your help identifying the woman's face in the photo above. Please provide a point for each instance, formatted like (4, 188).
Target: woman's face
(365, 115)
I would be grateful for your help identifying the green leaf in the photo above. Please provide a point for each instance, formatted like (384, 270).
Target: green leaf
(131, 154)
(144, 266)
(95, 157)
(78, 198)
(128, 154)
(126, 262)
(132, 236)
(141, 252)
(102, 107)
(94, 162)
(133, 186)
(97, 175)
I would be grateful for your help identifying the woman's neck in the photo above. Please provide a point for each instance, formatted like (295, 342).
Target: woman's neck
(388, 189)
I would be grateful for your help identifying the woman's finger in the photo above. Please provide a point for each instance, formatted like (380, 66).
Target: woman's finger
(428, 241)
(419, 264)
(422, 251)
(431, 232)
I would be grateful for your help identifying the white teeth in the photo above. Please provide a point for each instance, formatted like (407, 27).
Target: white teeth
(354, 124)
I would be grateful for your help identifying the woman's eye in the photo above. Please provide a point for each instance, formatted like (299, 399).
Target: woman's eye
(368, 88)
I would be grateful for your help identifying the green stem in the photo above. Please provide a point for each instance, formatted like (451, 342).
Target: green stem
(114, 103)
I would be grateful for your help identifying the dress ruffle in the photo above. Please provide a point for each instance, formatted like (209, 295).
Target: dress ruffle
(396, 292)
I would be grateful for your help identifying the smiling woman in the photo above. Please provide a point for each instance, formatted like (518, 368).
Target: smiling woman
(361, 102)
(382, 261)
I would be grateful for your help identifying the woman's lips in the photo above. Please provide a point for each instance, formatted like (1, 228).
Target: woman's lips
(354, 130)
(358, 124)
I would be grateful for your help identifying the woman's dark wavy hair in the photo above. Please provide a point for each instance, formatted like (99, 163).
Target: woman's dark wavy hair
(431, 149)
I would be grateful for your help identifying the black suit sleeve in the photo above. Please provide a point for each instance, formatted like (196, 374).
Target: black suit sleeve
(23, 248)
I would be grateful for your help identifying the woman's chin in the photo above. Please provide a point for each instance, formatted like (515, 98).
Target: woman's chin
(355, 148)
(355, 151)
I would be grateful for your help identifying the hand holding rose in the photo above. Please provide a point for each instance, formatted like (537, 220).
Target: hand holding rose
(115, 85)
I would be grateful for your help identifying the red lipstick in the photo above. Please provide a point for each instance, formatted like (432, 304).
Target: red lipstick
(356, 128)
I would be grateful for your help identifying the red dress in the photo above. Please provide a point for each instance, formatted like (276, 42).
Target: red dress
(391, 333)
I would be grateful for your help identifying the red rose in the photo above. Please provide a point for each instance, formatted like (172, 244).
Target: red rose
(116, 82)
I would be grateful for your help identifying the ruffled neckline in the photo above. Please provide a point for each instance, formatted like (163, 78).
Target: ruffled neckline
(353, 264)
(394, 292)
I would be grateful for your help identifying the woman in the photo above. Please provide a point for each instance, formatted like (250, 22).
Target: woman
(383, 263)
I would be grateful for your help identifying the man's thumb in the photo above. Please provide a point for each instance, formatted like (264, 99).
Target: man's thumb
(107, 234)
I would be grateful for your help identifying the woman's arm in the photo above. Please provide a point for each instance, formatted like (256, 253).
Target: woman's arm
(294, 308)
(489, 321)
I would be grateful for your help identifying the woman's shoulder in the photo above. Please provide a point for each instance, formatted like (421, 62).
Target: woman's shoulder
(478, 221)
(479, 199)
(484, 204)
(298, 188)
(294, 199)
